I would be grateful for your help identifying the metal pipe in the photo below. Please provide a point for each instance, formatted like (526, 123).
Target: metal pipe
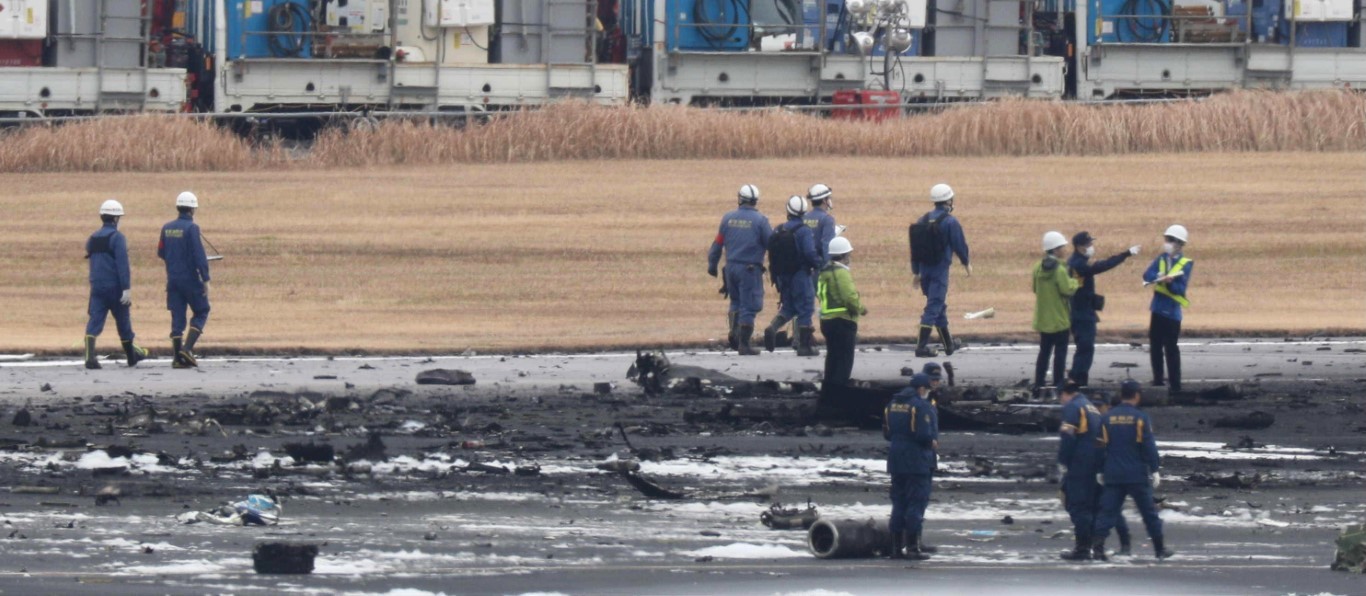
(220, 58)
(849, 539)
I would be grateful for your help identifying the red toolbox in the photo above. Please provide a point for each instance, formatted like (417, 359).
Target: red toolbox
(21, 52)
(877, 105)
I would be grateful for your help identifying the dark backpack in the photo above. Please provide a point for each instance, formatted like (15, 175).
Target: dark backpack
(784, 258)
(927, 242)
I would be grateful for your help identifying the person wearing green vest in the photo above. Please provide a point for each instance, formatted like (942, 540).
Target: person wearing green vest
(1053, 290)
(840, 311)
(1169, 276)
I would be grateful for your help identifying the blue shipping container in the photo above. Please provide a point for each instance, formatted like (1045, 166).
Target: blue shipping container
(269, 29)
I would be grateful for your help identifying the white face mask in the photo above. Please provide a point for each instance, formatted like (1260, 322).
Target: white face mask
(1169, 248)
(1090, 252)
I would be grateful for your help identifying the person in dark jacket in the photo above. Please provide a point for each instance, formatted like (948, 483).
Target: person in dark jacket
(111, 286)
(187, 279)
(911, 424)
(1131, 469)
(1086, 303)
(819, 219)
(933, 278)
(1121, 526)
(743, 237)
(1079, 459)
(796, 288)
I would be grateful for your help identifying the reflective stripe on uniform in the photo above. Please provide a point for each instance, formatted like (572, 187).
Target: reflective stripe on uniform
(1139, 434)
(1162, 272)
(823, 293)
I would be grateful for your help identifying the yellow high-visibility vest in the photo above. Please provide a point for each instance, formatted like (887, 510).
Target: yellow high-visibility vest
(1162, 272)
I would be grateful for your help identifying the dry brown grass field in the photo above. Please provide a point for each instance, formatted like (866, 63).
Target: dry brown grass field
(588, 254)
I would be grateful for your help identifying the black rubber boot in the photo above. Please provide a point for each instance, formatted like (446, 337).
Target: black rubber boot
(744, 337)
(731, 339)
(771, 332)
(191, 338)
(134, 353)
(806, 342)
(1160, 549)
(178, 354)
(922, 347)
(1098, 550)
(1081, 550)
(925, 548)
(913, 551)
(92, 361)
(950, 344)
(898, 546)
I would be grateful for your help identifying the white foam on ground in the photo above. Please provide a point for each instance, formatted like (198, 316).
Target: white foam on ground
(744, 550)
(188, 567)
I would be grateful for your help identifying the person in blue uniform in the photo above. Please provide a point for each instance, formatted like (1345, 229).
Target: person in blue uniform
(819, 219)
(187, 279)
(823, 228)
(793, 262)
(1086, 303)
(911, 424)
(743, 238)
(1121, 526)
(1131, 469)
(1169, 276)
(111, 286)
(933, 277)
(1079, 458)
(935, 372)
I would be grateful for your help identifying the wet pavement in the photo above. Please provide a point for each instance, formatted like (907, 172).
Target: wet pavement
(435, 512)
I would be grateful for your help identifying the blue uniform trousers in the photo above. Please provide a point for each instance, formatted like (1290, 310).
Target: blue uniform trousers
(1081, 495)
(104, 301)
(179, 296)
(910, 497)
(1084, 334)
(799, 297)
(1112, 501)
(746, 286)
(935, 286)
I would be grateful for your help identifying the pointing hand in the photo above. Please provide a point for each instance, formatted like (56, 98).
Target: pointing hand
(1133, 250)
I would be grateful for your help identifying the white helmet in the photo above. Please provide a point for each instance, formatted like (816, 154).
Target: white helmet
(1053, 240)
(839, 245)
(111, 207)
(796, 206)
(1178, 232)
(941, 193)
(749, 193)
(187, 199)
(818, 193)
